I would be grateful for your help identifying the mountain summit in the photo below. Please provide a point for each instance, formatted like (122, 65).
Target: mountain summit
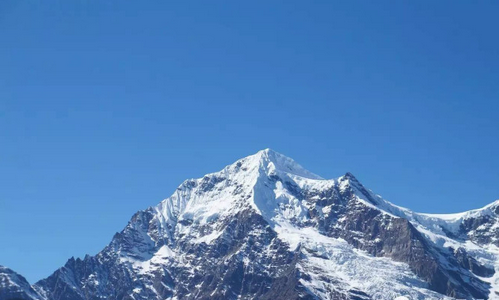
(266, 228)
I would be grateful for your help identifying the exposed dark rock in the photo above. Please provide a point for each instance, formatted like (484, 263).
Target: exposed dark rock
(234, 250)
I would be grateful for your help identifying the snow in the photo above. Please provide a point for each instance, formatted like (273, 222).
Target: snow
(208, 238)
(445, 217)
(285, 164)
(267, 182)
(148, 265)
(261, 182)
(350, 269)
(9, 280)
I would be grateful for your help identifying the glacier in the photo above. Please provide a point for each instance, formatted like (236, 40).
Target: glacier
(264, 227)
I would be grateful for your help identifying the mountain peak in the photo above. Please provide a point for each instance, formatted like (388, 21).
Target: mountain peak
(265, 219)
(15, 286)
(350, 176)
(273, 160)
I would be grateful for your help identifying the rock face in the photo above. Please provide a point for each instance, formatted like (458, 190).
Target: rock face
(15, 287)
(265, 228)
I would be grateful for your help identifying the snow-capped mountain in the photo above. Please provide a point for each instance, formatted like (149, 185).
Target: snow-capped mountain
(266, 228)
(14, 286)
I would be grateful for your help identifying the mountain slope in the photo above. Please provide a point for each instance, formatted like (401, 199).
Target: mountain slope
(264, 227)
(15, 287)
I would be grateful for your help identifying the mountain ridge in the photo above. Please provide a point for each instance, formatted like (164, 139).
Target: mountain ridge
(279, 229)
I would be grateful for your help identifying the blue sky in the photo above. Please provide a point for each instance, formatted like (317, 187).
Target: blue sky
(106, 106)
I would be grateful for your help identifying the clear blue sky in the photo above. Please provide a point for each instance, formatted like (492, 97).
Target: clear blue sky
(106, 106)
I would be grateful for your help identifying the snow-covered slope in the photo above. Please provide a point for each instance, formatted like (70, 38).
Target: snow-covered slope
(14, 286)
(264, 227)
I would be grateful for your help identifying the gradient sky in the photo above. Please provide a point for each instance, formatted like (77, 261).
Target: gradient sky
(107, 106)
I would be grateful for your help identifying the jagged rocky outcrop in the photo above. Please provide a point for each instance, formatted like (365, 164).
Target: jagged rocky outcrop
(265, 228)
